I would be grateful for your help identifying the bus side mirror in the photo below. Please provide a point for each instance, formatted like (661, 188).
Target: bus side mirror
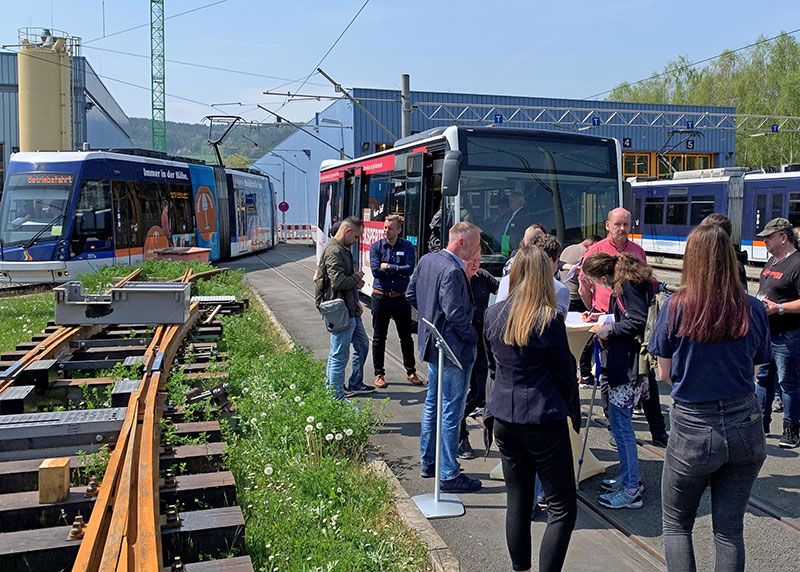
(451, 171)
(627, 196)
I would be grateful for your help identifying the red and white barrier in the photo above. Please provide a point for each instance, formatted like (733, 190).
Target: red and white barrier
(294, 231)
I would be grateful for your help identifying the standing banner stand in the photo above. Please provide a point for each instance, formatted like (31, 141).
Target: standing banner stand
(438, 504)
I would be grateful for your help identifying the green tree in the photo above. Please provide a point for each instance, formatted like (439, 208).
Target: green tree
(762, 80)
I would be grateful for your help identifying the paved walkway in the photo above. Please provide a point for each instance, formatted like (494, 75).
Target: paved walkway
(283, 278)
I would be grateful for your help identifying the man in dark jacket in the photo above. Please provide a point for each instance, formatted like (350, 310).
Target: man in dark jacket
(337, 278)
(440, 292)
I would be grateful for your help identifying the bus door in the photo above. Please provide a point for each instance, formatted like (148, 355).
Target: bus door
(351, 202)
(413, 228)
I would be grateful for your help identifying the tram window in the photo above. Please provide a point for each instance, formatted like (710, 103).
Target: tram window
(677, 210)
(654, 211)
(700, 207)
(128, 214)
(181, 220)
(777, 205)
(794, 209)
(92, 228)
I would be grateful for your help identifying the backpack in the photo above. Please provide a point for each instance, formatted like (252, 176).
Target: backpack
(648, 362)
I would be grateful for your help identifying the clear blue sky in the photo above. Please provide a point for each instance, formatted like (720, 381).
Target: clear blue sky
(549, 49)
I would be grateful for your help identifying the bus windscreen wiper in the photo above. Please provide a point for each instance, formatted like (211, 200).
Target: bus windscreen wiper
(44, 229)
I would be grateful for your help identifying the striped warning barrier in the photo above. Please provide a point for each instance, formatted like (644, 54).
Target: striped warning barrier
(294, 231)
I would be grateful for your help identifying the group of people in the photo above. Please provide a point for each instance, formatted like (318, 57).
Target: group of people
(724, 353)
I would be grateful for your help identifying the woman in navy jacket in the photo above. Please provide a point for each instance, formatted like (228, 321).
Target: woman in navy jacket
(532, 380)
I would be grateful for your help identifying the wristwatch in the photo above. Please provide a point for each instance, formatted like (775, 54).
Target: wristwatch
(780, 309)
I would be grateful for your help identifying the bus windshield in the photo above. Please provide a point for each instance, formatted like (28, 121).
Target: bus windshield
(509, 182)
(34, 206)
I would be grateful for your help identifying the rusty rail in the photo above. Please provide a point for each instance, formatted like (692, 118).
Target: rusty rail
(124, 531)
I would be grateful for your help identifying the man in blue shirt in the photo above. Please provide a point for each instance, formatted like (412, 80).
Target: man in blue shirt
(391, 260)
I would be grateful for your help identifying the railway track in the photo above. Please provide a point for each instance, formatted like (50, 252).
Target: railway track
(159, 503)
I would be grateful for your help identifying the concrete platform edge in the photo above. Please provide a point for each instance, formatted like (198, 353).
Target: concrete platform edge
(284, 334)
(440, 556)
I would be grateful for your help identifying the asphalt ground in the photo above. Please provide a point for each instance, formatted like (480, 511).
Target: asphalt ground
(282, 277)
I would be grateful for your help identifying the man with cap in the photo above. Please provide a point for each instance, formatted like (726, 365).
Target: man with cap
(779, 289)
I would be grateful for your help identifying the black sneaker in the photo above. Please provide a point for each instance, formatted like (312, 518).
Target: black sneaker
(791, 436)
(465, 449)
(461, 484)
(777, 405)
(427, 471)
(363, 388)
(766, 422)
(660, 441)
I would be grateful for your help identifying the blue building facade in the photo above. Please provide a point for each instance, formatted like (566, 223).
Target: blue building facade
(688, 137)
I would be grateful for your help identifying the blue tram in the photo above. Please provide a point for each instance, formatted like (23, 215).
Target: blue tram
(66, 213)
(665, 211)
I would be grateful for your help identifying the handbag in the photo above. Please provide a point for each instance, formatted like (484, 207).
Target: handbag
(335, 315)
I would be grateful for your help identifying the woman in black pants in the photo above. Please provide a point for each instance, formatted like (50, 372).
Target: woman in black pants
(709, 337)
(532, 379)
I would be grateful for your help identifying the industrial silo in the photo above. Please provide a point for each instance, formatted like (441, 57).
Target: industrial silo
(45, 90)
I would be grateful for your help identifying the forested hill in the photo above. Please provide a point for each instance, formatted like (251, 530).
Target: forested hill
(761, 80)
(191, 139)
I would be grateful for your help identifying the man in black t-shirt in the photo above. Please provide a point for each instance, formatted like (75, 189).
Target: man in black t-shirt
(779, 289)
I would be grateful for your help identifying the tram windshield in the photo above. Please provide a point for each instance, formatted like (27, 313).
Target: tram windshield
(34, 206)
(509, 182)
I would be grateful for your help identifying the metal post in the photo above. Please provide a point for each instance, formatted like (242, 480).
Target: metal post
(585, 436)
(283, 186)
(438, 470)
(405, 98)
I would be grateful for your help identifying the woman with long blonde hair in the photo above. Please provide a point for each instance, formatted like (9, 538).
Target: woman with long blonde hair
(534, 379)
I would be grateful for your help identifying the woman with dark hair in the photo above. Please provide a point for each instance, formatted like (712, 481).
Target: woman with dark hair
(532, 381)
(633, 290)
(724, 222)
(709, 337)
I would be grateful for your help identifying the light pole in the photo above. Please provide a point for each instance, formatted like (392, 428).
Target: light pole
(341, 131)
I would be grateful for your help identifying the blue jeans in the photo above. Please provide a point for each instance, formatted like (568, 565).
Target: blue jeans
(783, 370)
(718, 444)
(621, 419)
(455, 383)
(340, 353)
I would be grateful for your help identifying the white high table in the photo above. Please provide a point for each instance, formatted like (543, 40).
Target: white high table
(578, 333)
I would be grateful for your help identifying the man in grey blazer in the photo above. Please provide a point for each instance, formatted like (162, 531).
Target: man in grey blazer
(440, 292)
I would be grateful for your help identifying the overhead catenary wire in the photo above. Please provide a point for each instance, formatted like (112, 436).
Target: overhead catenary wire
(147, 25)
(697, 63)
(208, 67)
(306, 131)
(319, 63)
(115, 79)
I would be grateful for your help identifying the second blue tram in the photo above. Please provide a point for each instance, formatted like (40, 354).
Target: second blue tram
(66, 213)
(665, 211)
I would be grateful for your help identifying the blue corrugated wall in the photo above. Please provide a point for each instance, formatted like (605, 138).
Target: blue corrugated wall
(385, 105)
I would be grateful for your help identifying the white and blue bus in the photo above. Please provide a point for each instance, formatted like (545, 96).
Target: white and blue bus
(66, 213)
(567, 182)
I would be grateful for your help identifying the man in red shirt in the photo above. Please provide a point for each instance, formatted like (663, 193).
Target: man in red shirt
(618, 225)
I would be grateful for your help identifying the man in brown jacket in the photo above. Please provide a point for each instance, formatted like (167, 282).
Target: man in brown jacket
(337, 278)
